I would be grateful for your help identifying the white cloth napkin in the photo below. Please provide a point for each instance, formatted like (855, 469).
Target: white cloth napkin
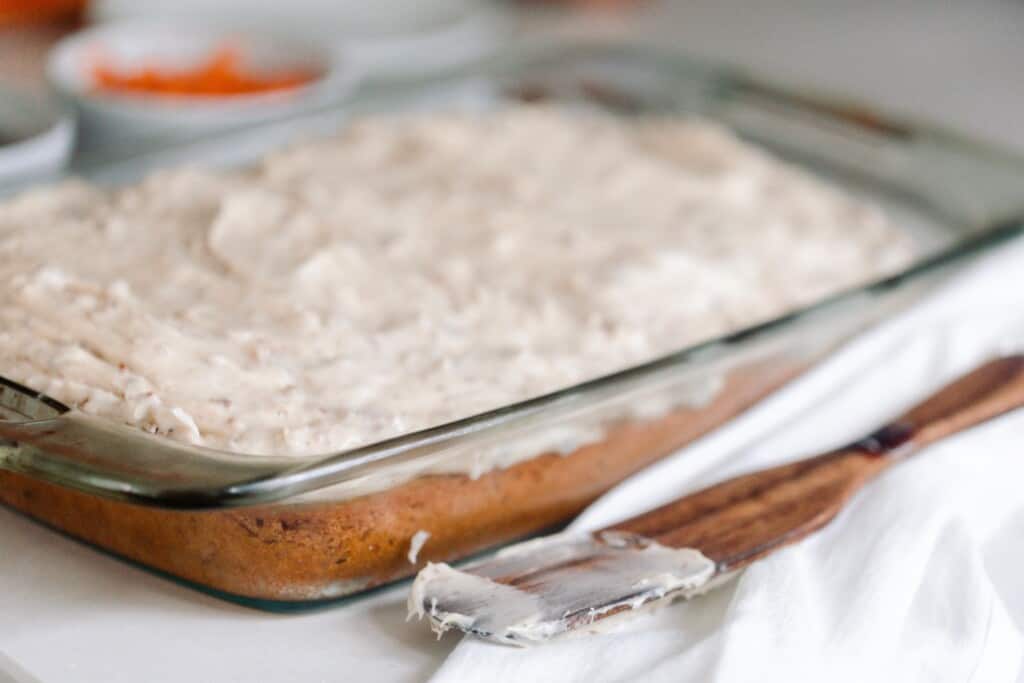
(920, 579)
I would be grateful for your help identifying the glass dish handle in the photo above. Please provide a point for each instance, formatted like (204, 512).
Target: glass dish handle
(42, 438)
(964, 182)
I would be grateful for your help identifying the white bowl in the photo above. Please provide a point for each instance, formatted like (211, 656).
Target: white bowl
(177, 45)
(386, 38)
(36, 136)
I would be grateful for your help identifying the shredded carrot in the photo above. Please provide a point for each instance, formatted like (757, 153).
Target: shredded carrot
(221, 74)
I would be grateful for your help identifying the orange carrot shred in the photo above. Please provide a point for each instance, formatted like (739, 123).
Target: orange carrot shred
(219, 75)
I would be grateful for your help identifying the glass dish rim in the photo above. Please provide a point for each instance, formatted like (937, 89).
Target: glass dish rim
(277, 478)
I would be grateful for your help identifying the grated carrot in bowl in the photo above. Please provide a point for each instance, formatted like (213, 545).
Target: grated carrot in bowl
(222, 74)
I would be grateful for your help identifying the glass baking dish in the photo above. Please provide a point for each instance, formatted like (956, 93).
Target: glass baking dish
(281, 530)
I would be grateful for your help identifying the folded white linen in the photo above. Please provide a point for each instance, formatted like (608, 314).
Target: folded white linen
(920, 579)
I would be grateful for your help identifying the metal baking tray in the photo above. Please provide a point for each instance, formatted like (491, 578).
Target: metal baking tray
(278, 530)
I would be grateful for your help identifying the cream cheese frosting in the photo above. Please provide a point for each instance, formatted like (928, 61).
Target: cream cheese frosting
(410, 271)
(546, 587)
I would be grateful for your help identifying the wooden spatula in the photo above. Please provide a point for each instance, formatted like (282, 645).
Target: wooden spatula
(542, 588)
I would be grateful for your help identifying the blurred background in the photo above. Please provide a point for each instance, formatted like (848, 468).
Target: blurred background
(954, 63)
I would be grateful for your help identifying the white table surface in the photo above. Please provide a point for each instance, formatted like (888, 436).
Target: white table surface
(69, 613)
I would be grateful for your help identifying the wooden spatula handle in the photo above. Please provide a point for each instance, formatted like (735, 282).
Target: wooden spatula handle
(986, 392)
(745, 518)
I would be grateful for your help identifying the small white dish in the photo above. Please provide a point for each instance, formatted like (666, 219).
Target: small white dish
(386, 38)
(36, 136)
(176, 45)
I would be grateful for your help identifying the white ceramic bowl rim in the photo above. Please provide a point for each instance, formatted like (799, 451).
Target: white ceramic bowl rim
(37, 135)
(184, 43)
(25, 115)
